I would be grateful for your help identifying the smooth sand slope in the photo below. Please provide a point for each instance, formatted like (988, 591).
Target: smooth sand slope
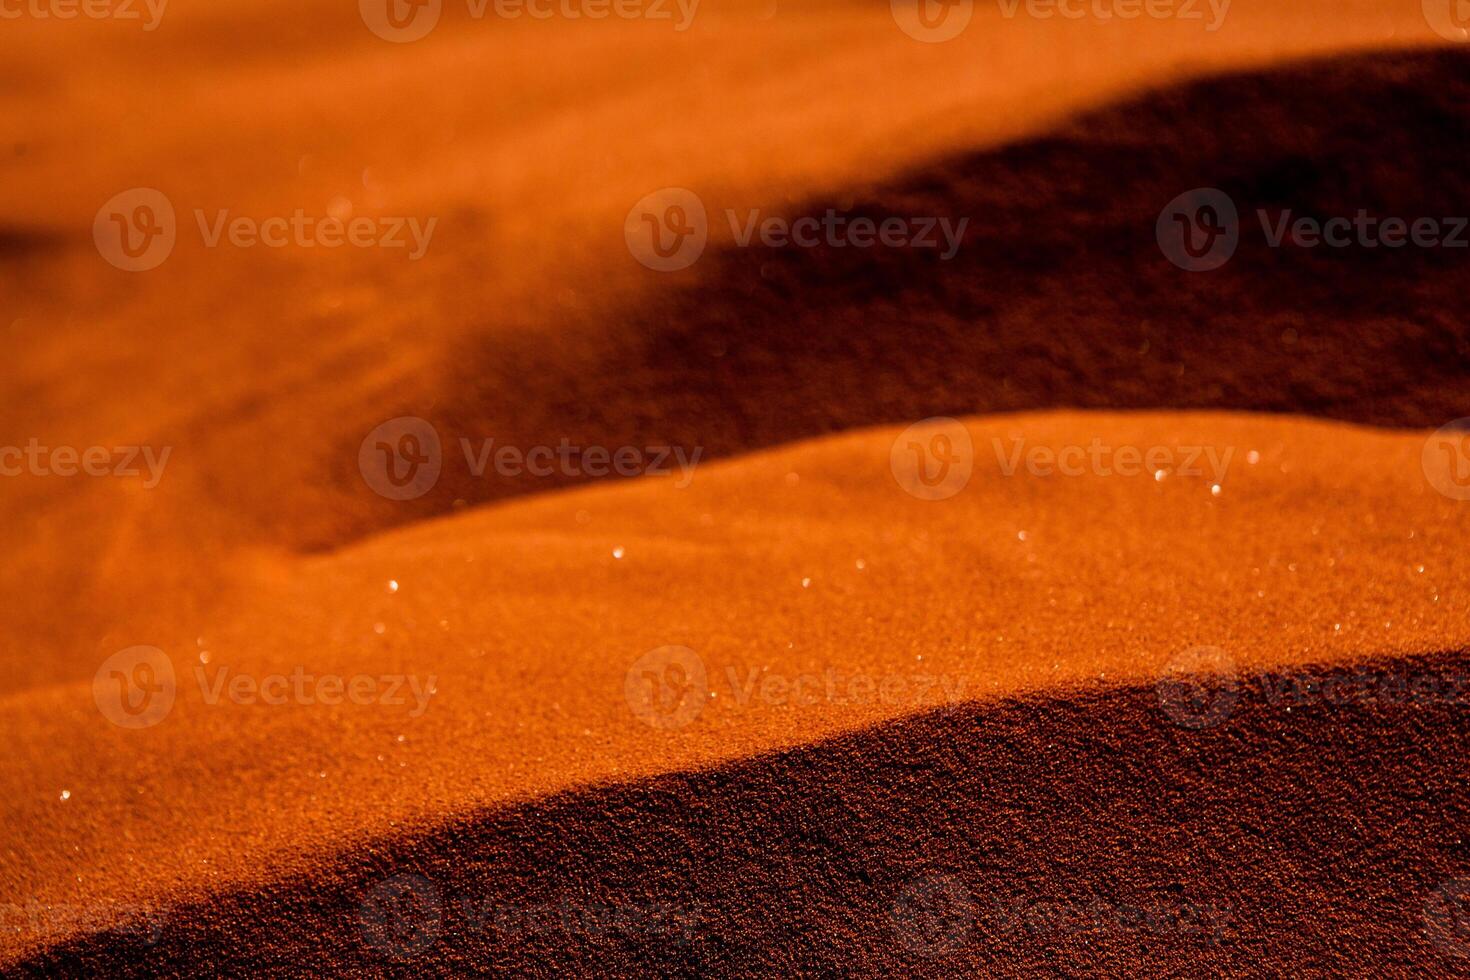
(1329, 548)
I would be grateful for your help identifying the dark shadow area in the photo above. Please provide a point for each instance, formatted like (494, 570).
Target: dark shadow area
(1289, 826)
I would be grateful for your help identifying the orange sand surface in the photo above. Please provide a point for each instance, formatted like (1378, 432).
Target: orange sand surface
(519, 620)
(529, 142)
(1329, 548)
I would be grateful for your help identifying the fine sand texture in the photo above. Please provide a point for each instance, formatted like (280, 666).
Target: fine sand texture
(1328, 549)
(1042, 609)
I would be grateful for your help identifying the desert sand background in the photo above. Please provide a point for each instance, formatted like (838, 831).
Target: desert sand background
(794, 549)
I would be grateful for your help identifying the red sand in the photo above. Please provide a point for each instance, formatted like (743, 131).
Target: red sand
(1312, 554)
(1040, 610)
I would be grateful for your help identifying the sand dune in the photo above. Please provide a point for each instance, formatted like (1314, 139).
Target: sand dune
(779, 711)
(1329, 548)
(1059, 836)
(1059, 297)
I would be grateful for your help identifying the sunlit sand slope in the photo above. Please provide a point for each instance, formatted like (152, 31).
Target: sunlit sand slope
(632, 630)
